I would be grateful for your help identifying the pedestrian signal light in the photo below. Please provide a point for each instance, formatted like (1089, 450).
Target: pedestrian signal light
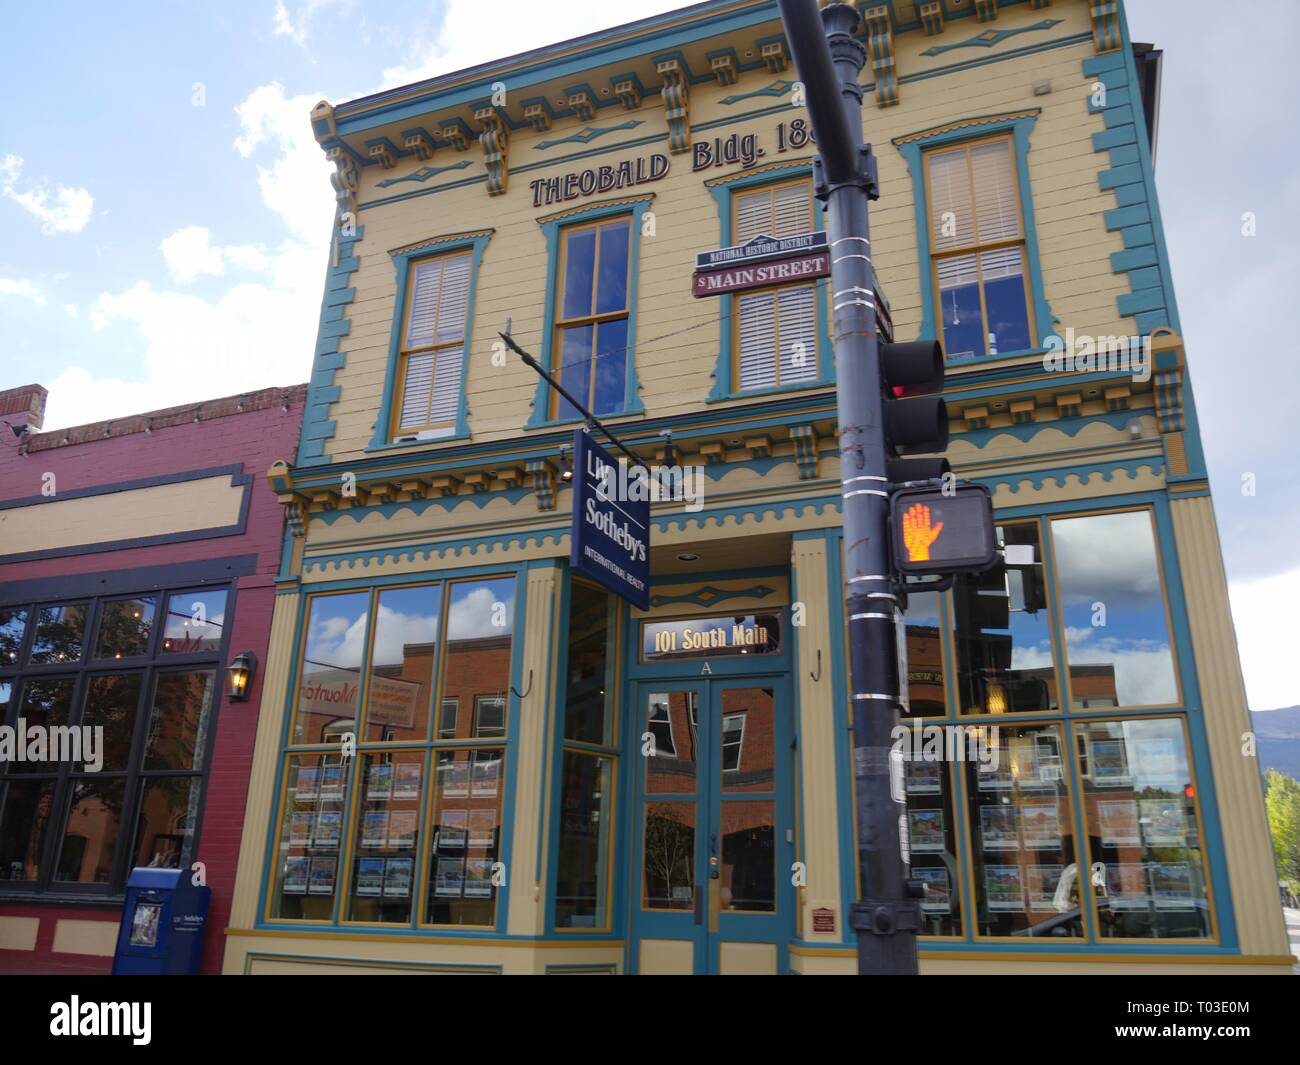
(940, 532)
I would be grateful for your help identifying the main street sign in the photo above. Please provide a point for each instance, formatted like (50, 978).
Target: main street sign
(763, 261)
(774, 261)
(611, 522)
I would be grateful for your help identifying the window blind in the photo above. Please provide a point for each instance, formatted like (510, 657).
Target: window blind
(431, 383)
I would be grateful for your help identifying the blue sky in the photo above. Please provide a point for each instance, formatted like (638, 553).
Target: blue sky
(164, 214)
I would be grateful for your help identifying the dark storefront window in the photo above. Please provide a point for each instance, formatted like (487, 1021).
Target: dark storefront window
(353, 826)
(590, 763)
(133, 719)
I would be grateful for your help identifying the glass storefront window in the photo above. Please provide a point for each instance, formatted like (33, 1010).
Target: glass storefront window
(169, 806)
(178, 723)
(124, 627)
(13, 626)
(1004, 634)
(480, 625)
(311, 831)
(60, 634)
(386, 837)
(927, 668)
(111, 704)
(466, 840)
(400, 677)
(582, 880)
(24, 815)
(1113, 611)
(329, 679)
(1022, 835)
(45, 704)
(194, 621)
(90, 832)
(587, 707)
(82, 808)
(933, 842)
(1144, 836)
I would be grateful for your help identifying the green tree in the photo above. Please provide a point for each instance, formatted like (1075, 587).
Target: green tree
(1282, 797)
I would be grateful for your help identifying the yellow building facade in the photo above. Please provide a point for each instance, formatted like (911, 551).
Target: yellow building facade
(471, 760)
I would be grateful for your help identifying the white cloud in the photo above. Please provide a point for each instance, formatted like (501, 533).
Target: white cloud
(189, 252)
(295, 24)
(21, 287)
(458, 41)
(59, 209)
(1264, 613)
(296, 184)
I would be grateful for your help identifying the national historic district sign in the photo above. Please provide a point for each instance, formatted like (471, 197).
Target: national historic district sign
(611, 533)
(763, 261)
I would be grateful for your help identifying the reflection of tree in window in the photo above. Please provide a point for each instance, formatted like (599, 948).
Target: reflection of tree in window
(60, 632)
(13, 625)
(669, 856)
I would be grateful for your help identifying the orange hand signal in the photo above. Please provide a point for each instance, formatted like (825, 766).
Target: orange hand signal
(918, 534)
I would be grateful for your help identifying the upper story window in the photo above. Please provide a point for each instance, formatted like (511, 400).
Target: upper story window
(591, 316)
(776, 328)
(978, 249)
(432, 353)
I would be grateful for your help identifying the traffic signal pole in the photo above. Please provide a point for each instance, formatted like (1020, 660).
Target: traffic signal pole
(829, 61)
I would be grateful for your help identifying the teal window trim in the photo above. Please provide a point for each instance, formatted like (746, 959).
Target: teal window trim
(913, 152)
(723, 372)
(404, 263)
(551, 230)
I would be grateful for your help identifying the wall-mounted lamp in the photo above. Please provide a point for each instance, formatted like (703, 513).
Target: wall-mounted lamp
(566, 463)
(239, 676)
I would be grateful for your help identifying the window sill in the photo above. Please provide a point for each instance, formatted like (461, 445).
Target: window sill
(779, 390)
(561, 423)
(406, 445)
(54, 898)
(988, 360)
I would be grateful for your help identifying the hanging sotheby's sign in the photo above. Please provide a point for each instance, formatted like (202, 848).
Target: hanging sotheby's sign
(611, 522)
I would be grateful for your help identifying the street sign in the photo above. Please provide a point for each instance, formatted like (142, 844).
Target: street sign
(611, 522)
(763, 261)
(938, 532)
(760, 248)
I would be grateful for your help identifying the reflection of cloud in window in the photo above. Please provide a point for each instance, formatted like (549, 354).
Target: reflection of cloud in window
(338, 642)
(1107, 558)
(1144, 671)
(395, 630)
(1035, 657)
(472, 613)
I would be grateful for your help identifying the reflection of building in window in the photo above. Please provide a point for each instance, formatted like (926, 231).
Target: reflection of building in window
(489, 715)
(660, 726)
(447, 718)
(733, 740)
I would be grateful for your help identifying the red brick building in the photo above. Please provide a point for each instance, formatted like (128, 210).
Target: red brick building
(137, 559)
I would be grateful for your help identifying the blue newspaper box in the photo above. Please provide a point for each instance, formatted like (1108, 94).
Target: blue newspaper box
(162, 924)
